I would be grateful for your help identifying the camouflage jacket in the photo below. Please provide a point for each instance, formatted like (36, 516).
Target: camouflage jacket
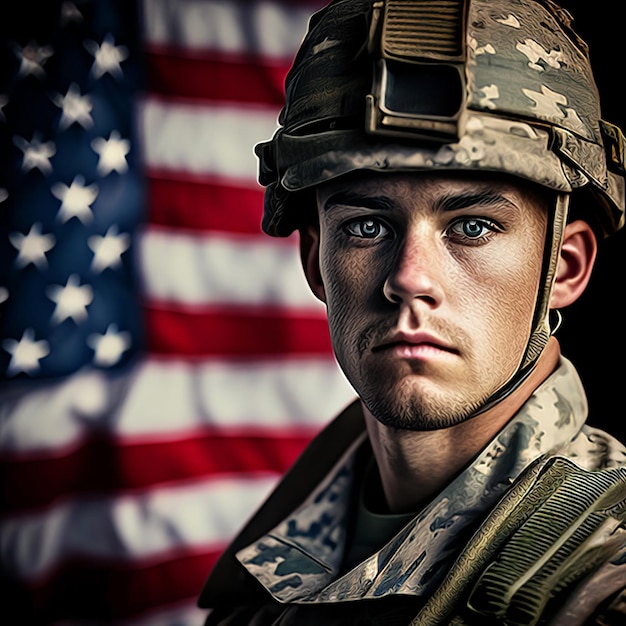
(547, 496)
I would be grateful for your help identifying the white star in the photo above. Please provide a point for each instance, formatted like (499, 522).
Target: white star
(107, 57)
(112, 153)
(76, 108)
(109, 347)
(33, 58)
(108, 249)
(32, 248)
(76, 199)
(71, 300)
(36, 153)
(69, 13)
(4, 194)
(25, 353)
(4, 294)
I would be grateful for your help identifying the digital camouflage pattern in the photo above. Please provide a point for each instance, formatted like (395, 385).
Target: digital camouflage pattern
(528, 104)
(298, 562)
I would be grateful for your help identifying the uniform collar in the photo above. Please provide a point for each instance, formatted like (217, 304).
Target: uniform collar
(299, 560)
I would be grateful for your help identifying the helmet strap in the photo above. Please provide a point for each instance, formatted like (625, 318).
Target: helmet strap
(540, 331)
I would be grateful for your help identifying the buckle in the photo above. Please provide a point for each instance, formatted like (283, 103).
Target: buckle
(615, 145)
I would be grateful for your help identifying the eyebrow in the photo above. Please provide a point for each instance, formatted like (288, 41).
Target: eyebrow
(451, 202)
(351, 198)
(466, 200)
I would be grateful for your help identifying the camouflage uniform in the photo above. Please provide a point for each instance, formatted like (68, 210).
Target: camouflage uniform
(429, 569)
(532, 531)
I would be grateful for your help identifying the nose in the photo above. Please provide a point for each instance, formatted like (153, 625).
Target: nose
(415, 273)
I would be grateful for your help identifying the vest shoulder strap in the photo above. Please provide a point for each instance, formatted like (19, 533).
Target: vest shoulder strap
(557, 524)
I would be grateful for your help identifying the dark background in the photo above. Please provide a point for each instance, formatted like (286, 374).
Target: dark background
(592, 334)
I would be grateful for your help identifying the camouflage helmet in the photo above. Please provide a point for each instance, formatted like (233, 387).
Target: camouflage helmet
(467, 85)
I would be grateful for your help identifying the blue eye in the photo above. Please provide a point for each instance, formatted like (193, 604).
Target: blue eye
(367, 229)
(473, 229)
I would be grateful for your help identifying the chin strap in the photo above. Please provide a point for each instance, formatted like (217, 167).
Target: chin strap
(541, 324)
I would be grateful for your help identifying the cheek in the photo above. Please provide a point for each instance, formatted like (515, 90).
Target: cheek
(344, 283)
(340, 271)
(521, 271)
(353, 286)
(506, 295)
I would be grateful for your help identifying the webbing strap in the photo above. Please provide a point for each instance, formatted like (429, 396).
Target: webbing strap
(557, 524)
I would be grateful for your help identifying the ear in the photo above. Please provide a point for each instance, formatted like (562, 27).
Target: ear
(310, 257)
(578, 254)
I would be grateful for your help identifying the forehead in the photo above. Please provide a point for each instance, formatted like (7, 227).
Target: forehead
(432, 187)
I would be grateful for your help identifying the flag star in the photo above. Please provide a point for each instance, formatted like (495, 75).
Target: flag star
(37, 154)
(75, 107)
(76, 199)
(4, 194)
(33, 58)
(108, 249)
(4, 294)
(25, 353)
(109, 347)
(107, 57)
(70, 13)
(32, 248)
(71, 300)
(112, 153)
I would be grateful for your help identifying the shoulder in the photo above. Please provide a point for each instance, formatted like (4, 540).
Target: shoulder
(565, 553)
(228, 579)
(554, 546)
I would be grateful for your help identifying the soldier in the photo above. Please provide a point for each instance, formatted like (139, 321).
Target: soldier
(448, 170)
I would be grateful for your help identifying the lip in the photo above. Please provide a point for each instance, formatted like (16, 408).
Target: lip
(415, 345)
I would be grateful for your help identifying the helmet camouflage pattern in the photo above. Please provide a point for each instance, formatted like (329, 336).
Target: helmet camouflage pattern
(467, 85)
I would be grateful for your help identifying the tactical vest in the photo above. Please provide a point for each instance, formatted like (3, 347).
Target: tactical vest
(557, 525)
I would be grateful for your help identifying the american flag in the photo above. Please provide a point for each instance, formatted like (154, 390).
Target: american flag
(162, 360)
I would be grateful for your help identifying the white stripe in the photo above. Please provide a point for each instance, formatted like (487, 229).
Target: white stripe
(244, 395)
(204, 139)
(159, 399)
(269, 29)
(216, 269)
(202, 516)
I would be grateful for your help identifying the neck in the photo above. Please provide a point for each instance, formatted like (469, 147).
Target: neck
(415, 465)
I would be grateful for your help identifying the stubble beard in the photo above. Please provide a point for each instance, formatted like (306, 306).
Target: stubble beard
(400, 404)
(408, 409)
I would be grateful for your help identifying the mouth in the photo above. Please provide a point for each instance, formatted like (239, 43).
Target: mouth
(414, 346)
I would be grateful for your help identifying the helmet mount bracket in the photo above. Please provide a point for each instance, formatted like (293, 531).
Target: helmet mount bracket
(419, 83)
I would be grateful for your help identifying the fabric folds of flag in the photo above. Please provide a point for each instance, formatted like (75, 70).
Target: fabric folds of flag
(162, 361)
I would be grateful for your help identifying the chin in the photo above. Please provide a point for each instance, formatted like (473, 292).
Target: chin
(418, 413)
(422, 407)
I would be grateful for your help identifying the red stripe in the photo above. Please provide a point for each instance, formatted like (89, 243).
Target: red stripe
(101, 466)
(199, 205)
(102, 591)
(234, 333)
(177, 74)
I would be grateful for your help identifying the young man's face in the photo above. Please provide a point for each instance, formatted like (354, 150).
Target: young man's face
(430, 284)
